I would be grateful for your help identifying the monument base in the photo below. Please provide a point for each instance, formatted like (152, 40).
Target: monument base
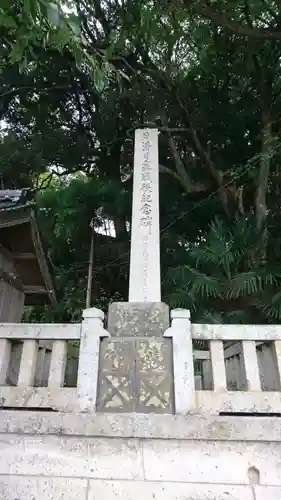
(138, 319)
(136, 362)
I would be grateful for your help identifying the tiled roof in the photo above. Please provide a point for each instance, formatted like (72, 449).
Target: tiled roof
(10, 198)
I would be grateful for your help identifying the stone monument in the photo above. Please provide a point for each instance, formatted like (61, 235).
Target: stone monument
(136, 363)
(145, 281)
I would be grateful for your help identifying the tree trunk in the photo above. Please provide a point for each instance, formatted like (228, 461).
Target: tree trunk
(114, 174)
(120, 228)
(261, 193)
(261, 207)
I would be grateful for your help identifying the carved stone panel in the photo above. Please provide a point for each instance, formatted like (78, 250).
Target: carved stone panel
(134, 319)
(115, 384)
(135, 376)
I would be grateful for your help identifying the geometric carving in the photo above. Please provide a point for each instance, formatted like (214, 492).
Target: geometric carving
(114, 383)
(135, 375)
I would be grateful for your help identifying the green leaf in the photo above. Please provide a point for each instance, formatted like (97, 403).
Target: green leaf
(54, 14)
(30, 8)
(16, 52)
(98, 76)
(7, 21)
(60, 38)
(74, 24)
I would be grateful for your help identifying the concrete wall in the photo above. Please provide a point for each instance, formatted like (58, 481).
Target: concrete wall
(127, 457)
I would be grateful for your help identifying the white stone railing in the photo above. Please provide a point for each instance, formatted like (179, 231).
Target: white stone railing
(55, 396)
(219, 370)
(234, 364)
(252, 365)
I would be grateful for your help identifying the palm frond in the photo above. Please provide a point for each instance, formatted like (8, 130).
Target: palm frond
(182, 298)
(245, 284)
(205, 286)
(220, 267)
(203, 255)
(270, 277)
(217, 249)
(178, 276)
(246, 238)
(272, 307)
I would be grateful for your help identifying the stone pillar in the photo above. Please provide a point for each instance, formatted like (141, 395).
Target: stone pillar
(145, 282)
(184, 382)
(91, 333)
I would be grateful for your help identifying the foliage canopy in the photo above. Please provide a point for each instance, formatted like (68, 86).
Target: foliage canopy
(79, 76)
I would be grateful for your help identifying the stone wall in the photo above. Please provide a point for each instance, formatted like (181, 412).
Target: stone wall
(144, 457)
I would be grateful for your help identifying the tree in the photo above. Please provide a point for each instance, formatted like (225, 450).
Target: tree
(214, 98)
(223, 281)
(266, 24)
(65, 213)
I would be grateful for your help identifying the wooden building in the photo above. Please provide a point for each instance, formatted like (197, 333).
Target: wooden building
(25, 277)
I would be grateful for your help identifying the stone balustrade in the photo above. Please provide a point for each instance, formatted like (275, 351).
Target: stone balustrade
(220, 362)
(55, 396)
(240, 378)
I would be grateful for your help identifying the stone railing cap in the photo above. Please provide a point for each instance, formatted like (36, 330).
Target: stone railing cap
(180, 313)
(92, 313)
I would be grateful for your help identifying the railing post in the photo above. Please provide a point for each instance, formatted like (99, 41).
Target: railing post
(251, 365)
(5, 354)
(91, 333)
(218, 366)
(277, 348)
(58, 364)
(38, 378)
(184, 384)
(28, 363)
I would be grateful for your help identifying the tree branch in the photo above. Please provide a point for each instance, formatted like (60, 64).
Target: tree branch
(221, 19)
(203, 155)
(182, 173)
(206, 160)
(34, 89)
(194, 188)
